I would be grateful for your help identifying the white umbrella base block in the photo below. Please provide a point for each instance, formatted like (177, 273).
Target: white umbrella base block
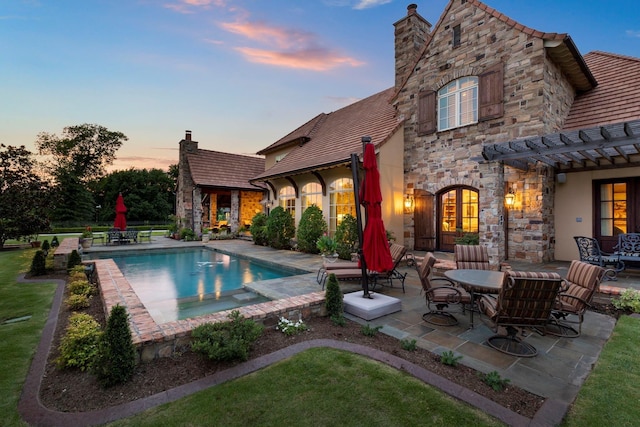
(370, 308)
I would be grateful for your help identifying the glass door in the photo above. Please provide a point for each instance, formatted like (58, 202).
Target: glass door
(458, 214)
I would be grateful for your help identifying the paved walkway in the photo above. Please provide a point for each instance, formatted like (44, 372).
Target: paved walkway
(556, 373)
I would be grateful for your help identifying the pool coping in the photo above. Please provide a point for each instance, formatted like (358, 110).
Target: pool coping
(154, 340)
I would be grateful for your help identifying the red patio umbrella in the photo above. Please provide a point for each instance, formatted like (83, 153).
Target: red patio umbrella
(375, 246)
(120, 221)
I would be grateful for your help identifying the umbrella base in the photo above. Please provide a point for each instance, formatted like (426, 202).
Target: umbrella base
(370, 308)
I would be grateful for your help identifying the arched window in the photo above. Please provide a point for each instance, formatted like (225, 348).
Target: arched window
(287, 199)
(311, 194)
(458, 103)
(341, 202)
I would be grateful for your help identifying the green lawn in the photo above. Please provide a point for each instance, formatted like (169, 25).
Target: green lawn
(19, 340)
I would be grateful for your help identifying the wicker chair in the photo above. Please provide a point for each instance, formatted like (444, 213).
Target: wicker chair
(473, 257)
(525, 300)
(440, 292)
(580, 286)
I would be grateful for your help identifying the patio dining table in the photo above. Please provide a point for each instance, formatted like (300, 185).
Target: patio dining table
(477, 282)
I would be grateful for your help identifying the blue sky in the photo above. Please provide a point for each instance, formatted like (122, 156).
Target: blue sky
(239, 74)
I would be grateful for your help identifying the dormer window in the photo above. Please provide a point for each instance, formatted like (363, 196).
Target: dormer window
(280, 157)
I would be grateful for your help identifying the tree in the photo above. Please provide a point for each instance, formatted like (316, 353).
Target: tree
(24, 197)
(80, 155)
(83, 151)
(148, 194)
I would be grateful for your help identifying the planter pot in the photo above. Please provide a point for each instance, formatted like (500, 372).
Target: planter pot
(205, 238)
(35, 244)
(86, 243)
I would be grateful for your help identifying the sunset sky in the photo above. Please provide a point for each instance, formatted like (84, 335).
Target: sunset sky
(239, 74)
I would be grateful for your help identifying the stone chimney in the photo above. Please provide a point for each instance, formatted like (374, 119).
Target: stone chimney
(185, 185)
(410, 33)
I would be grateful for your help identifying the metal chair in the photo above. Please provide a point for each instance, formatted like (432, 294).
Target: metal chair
(580, 286)
(590, 252)
(525, 300)
(441, 296)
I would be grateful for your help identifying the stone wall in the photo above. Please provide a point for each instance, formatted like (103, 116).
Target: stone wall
(536, 100)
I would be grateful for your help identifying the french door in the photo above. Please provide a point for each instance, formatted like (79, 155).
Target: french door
(617, 210)
(457, 214)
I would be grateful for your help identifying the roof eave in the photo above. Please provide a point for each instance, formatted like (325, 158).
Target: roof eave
(565, 53)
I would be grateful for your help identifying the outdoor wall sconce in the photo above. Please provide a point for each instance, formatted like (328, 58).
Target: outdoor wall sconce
(408, 203)
(510, 198)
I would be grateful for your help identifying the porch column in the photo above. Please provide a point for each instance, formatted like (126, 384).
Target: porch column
(234, 216)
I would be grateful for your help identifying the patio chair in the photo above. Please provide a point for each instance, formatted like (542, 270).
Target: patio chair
(397, 252)
(525, 301)
(113, 236)
(145, 235)
(474, 257)
(580, 286)
(590, 252)
(440, 295)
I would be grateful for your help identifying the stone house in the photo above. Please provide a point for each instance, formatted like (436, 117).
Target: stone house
(214, 190)
(492, 108)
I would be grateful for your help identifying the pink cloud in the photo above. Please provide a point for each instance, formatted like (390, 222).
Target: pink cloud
(291, 48)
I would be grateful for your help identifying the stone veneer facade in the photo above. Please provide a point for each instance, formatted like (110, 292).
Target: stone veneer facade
(537, 98)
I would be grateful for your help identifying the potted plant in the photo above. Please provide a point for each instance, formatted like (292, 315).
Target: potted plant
(205, 234)
(87, 238)
(328, 247)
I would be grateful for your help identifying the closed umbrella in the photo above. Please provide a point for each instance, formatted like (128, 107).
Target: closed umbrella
(120, 221)
(375, 245)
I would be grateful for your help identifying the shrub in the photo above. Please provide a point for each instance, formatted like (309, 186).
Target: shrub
(79, 345)
(334, 300)
(493, 380)
(310, 228)
(259, 229)
(467, 238)
(74, 260)
(280, 228)
(449, 358)
(39, 264)
(77, 302)
(81, 287)
(409, 345)
(54, 242)
(46, 246)
(226, 341)
(347, 237)
(629, 300)
(187, 234)
(369, 331)
(116, 356)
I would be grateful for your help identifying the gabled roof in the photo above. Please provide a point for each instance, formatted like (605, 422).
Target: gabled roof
(559, 47)
(330, 139)
(617, 97)
(224, 170)
(300, 135)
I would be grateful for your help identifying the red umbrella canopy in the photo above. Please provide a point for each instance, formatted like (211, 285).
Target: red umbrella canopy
(120, 221)
(375, 246)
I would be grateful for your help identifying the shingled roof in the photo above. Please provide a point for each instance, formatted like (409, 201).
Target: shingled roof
(617, 97)
(330, 139)
(224, 170)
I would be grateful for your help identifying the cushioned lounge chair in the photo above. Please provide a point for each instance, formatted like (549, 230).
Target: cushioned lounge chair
(440, 292)
(397, 252)
(525, 301)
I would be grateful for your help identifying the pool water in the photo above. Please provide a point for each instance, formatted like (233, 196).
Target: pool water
(183, 283)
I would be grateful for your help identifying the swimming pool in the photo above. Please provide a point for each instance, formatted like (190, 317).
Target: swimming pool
(183, 283)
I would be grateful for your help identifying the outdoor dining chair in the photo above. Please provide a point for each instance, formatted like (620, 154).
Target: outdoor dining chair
(440, 292)
(590, 252)
(580, 286)
(524, 301)
(475, 257)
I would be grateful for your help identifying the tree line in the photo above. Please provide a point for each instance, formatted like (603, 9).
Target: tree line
(69, 184)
